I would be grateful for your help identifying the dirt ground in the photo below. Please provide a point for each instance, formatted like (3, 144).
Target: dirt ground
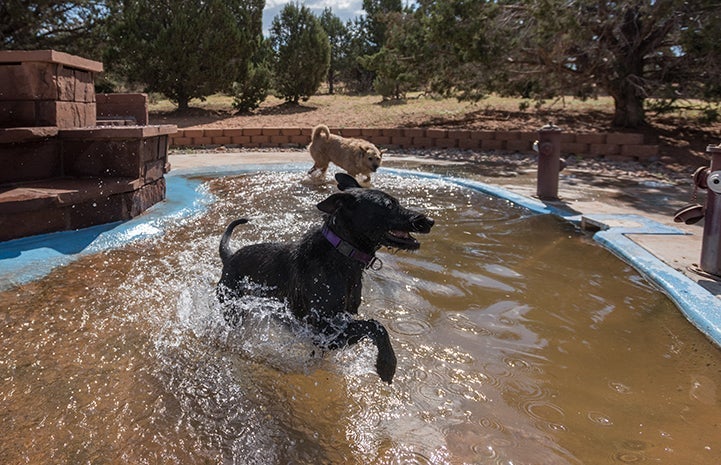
(682, 140)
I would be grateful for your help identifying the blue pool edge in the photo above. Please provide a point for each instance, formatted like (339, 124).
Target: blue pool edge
(26, 259)
(697, 304)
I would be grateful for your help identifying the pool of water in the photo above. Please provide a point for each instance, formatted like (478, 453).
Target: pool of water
(519, 341)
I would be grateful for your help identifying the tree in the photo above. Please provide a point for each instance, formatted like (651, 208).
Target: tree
(302, 53)
(186, 49)
(630, 50)
(377, 12)
(701, 41)
(396, 65)
(459, 47)
(77, 27)
(253, 84)
(338, 38)
(356, 77)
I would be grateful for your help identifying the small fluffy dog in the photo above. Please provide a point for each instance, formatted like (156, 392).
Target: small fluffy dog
(356, 156)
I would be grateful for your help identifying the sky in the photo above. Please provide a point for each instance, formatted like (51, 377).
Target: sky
(344, 9)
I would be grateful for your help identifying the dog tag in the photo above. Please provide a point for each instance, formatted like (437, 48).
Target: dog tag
(375, 264)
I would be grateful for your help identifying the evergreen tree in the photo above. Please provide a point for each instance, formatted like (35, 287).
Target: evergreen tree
(629, 50)
(78, 27)
(396, 64)
(461, 47)
(356, 77)
(377, 12)
(186, 49)
(338, 37)
(254, 81)
(302, 53)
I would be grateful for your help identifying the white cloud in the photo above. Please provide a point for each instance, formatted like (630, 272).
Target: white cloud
(319, 5)
(344, 9)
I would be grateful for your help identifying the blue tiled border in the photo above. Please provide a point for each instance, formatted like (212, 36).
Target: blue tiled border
(23, 260)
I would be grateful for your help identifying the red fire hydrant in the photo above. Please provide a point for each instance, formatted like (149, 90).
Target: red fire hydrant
(549, 162)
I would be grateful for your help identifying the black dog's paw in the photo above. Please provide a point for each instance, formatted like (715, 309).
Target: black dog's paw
(386, 365)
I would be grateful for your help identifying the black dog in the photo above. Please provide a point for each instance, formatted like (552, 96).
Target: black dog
(320, 275)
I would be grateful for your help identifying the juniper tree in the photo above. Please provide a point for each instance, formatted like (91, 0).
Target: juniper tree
(186, 49)
(302, 53)
(78, 27)
(338, 37)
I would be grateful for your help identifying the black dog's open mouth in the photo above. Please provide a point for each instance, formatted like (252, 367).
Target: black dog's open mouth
(401, 240)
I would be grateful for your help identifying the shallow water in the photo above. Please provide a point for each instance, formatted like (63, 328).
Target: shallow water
(519, 341)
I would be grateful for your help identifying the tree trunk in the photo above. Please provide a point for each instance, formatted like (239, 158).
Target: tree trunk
(628, 105)
(183, 103)
(331, 78)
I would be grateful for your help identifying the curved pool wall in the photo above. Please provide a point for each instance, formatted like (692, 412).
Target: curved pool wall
(23, 260)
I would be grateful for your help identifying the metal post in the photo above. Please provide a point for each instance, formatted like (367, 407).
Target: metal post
(549, 162)
(711, 245)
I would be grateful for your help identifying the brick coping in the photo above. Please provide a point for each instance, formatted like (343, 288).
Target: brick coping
(117, 132)
(62, 191)
(50, 56)
(29, 134)
(610, 145)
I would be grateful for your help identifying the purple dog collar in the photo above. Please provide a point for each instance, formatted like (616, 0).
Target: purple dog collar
(368, 261)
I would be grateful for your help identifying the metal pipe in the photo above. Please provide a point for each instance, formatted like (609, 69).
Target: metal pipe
(711, 244)
(549, 162)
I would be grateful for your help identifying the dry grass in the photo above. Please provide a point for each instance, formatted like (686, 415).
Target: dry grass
(682, 135)
(373, 111)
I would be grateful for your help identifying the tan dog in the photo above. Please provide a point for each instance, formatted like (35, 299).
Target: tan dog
(356, 156)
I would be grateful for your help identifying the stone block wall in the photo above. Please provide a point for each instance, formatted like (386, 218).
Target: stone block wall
(612, 145)
(46, 88)
(136, 152)
(61, 170)
(131, 108)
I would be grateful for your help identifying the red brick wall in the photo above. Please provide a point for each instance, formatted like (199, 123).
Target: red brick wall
(628, 146)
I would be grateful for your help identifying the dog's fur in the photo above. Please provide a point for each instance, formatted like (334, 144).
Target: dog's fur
(321, 283)
(358, 157)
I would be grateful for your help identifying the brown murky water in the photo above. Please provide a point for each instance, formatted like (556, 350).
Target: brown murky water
(519, 341)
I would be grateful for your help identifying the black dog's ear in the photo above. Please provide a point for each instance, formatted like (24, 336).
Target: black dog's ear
(346, 181)
(335, 201)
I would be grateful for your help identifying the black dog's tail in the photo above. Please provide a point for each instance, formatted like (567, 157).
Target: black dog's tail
(225, 252)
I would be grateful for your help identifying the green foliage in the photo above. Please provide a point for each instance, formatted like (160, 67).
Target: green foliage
(394, 65)
(250, 92)
(629, 50)
(544, 48)
(186, 49)
(252, 86)
(302, 53)
(462, 46)
(710, 114)
(78, 27)
(356, 77)
(338, 37)
(377, 12)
